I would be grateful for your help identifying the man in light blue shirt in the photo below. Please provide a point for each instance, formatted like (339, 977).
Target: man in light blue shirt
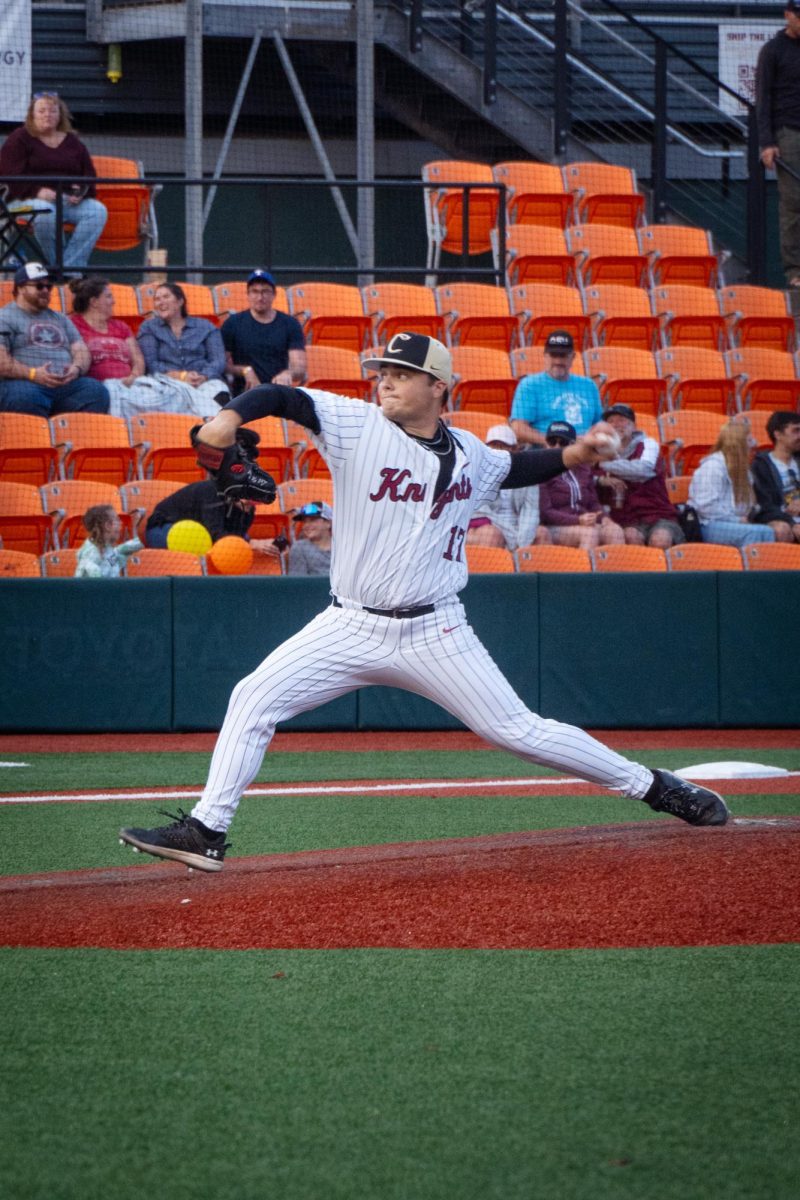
(554, 395)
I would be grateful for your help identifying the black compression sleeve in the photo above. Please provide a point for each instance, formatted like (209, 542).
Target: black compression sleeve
(529, 467)
(275, 400)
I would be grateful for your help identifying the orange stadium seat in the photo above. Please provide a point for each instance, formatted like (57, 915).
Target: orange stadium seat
(131, 212)
(402, 307)
(678, 488)
(771, 556)
(294, 493)
(604, 193)
(94, 446)
(757, 419)
(18, 564)
(621, 316)
(553, 558)
(628, 558)
(764, 378)
(679, 254)
(162, 562)
(269, 522)
(704, 556)
(690, 316)
(68, 499)
(332, 314)
(484, 560)
(607, 254)
(24, 524)
(27, 453)
(59, 564)
(688, 437)
(627, 376)
(164, 445)
(311, 465)
(543, 307)
(535, 193)
(478, 423)
(758, 316)
(477, 314)
(458, 219)
(336, 369)
(141, 496)
(482, 380)
(535, 254)
(696, 378)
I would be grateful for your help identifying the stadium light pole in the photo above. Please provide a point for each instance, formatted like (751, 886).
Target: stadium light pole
(193, 137)
(365, 140)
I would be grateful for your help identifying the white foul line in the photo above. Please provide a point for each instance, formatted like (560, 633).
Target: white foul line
(423, 785)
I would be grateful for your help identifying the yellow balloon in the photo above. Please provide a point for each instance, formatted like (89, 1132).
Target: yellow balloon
(189, 537)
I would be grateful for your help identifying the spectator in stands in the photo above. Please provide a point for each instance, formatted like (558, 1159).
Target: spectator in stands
(42, 356)
(778, 119)
(310, 554)
(201, 502)
(263, 344)
(722, 491)
(554, 394)
(633, 487)
(117, 362)
(44, 147)
(776, 477)
(100, 557)
(570, 507)
(185, 355)
(512, 520)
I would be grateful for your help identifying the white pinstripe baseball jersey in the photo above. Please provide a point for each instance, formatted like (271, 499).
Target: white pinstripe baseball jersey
(394, 544)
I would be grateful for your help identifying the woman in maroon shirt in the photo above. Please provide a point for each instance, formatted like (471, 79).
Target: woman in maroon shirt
(46, 147)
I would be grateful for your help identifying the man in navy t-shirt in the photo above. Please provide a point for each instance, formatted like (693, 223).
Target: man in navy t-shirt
(263, 344)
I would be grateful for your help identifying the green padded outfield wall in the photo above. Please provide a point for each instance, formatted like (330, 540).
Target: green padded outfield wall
(602, 651)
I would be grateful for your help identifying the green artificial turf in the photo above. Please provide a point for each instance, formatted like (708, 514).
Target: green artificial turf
(64, 836)
(666, 1074)
(68, 772)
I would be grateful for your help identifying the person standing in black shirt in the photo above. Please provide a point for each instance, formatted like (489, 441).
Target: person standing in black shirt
(778, 116)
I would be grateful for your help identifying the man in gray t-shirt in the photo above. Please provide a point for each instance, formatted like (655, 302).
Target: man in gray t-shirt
(43, 359)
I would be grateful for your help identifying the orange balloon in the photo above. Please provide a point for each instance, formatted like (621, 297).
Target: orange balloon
(231, 556)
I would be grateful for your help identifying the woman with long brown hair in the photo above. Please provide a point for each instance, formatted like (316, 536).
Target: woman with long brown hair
(722, 491)
(45, 147)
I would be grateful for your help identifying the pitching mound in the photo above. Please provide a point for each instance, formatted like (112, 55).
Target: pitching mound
(643, 884)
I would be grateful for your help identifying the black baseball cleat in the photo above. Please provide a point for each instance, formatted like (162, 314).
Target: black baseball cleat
(697, 805)
(186, 840)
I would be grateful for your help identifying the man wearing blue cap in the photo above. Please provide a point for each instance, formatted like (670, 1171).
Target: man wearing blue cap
(263, 344)
(311, 553)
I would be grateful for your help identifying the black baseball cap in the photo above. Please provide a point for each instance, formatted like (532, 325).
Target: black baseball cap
(792, 6)
(260, 276)
(561, 429)
(620, 410)
(559, 342)
(417, 351)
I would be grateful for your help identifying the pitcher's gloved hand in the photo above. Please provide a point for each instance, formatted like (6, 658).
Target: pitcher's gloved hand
(235, 475)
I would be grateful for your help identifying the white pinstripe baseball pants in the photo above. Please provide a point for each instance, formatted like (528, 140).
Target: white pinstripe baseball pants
(437, 656)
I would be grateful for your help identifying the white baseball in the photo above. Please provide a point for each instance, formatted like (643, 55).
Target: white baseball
(608, 445)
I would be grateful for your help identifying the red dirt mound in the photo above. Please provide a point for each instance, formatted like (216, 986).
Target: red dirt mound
(642, 884)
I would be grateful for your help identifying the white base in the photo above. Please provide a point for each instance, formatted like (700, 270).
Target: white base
(730, 770)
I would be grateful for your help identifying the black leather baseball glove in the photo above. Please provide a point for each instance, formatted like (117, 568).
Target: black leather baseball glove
(235, 474)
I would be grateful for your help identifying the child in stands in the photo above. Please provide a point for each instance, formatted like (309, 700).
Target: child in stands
(100, 557)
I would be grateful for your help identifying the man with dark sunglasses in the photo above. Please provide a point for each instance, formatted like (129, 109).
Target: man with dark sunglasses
(43, 359)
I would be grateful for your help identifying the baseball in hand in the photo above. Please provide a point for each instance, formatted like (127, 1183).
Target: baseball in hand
(608, 445)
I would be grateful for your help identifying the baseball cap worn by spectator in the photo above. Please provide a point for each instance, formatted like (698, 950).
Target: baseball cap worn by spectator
(620, 410)
(32, 272)
(501, 433)
(417, 351)
(317, 508)
(560, 433)
(260, 276)
(559, 342)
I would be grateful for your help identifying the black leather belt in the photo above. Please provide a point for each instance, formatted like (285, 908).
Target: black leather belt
(420, 611)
